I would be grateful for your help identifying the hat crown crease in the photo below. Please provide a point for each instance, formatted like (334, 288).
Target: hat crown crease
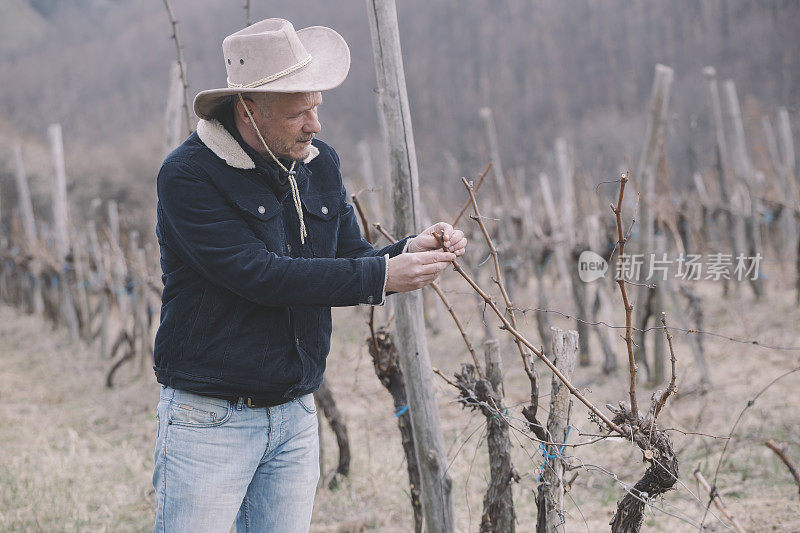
(250, 67)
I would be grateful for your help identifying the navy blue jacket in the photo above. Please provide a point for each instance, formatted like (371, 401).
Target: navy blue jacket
(246, 307)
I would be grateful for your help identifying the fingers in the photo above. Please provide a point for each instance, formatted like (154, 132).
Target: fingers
(427, 242)
(456, 242)
(434, 256)
(460, 248)
(432, 269)
(443, 227)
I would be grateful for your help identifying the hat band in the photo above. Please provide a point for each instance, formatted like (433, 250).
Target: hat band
(273, 77)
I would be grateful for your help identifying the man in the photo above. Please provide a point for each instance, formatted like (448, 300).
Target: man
(257, 244)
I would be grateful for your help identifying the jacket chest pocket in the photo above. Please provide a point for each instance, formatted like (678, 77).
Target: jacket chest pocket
(322, 223)
(265, 221)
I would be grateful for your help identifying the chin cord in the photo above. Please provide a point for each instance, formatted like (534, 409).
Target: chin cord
(290, 171)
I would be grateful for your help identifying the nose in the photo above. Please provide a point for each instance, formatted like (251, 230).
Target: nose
(312, 124)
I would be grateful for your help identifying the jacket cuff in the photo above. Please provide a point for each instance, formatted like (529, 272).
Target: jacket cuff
(373, 280)
(385, 278)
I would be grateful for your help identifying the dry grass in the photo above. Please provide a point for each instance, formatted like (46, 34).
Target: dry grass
(78, 457)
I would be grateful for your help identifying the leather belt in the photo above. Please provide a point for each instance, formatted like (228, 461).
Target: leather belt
(249, 402)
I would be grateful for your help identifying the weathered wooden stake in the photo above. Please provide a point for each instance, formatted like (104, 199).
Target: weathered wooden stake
(490, 131)
(81, 282)
(785, 239)
(745, 173)
(559, 245)
(787, 143)
(61, 223)
(374, 197)
(29, 225)
(498, 504)
(119, 272)
(174, 128)
(601, 308)
(437, 499)
(724, 174)
(550, 499)
(566, 178)
(645, 172)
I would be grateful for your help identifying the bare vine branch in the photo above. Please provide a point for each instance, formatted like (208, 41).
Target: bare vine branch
(671, 389)
(516, 334)
(499, 273)
(780, 451)
(181, 65)
(621, 239)
(717, 500)
(477, 186)
(383, 232)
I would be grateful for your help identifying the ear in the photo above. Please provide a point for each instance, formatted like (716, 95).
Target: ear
(239, 109)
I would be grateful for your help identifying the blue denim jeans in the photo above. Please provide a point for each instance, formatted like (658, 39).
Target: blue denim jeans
(218, 461)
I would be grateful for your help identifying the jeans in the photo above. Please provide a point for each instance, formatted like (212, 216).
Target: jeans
(218, 461)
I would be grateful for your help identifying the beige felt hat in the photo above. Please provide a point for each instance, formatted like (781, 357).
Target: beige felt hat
(270, 56)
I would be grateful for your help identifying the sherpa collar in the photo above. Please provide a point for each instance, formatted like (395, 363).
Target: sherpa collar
(218, 140)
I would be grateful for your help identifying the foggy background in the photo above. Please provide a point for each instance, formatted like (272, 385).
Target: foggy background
(581, 69)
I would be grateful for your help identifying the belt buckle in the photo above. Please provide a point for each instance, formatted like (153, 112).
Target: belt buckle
(249, 402)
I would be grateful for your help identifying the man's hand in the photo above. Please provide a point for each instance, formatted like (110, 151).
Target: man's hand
(408, 272)
(454, 240)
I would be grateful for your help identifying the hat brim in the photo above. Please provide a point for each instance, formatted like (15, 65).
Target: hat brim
(327, 69)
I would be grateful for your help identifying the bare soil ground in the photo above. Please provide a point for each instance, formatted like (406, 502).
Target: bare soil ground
(78, 456)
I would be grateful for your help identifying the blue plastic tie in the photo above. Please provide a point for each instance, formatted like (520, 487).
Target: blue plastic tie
(505, 412)
(400, 411)
(547, 456)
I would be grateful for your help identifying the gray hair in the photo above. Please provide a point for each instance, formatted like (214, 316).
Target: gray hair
(263, 101)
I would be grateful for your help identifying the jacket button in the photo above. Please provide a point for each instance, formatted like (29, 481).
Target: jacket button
(262, 209)
(324, 210)
(370, 299)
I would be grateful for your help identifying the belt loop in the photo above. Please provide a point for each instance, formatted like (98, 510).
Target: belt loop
(240, 404)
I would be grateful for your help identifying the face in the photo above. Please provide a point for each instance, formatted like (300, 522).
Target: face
(288, 122)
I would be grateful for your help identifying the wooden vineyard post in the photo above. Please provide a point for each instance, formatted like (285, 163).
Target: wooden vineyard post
(580, 294)
(787, 237)
(81, 285)
(506, 203)
(566, 178)
(745, 173)
(437, 501)
(645, 176)
(61, 223)
(118, 272)
(786, 142)
(790, 172)
(601, 303)
(174, 128)
(725, 180)
(101, 276)
(498, 504)
(490, 132)
(29, 226)
(550, 500)
(559, 247)
(645, 172)
(374, 196)
(105, 319)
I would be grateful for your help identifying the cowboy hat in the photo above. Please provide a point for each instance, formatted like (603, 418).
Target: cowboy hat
(270, 56)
